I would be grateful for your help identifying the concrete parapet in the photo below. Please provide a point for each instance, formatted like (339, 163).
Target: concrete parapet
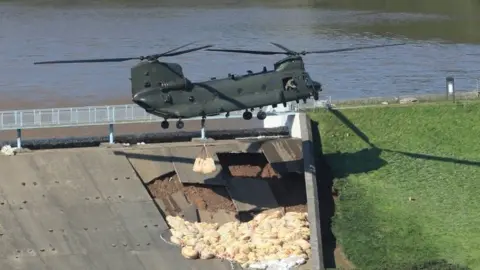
(304, 125)
(290, 121)
(294, 125)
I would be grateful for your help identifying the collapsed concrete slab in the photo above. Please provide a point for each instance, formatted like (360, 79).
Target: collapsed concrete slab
(150, 163)
(284, 155)
(251, 194)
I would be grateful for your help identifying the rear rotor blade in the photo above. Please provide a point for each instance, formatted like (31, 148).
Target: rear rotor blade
(246, 51)
(99, 60)
(354, 48)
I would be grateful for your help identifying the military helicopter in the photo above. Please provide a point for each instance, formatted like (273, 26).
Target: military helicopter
(162, 89)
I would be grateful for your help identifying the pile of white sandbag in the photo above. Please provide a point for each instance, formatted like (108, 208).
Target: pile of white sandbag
(8, 150)
(269, 236)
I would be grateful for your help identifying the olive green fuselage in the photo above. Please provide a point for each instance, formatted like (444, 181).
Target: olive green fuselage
(161, 89)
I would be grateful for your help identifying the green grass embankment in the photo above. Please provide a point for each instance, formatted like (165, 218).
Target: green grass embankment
(409, 183)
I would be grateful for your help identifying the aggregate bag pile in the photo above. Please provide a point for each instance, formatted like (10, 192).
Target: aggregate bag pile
(267, 237)
(8, 150)
(204, 162)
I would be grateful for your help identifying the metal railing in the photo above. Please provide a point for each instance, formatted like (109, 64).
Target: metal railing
(81, 116)
(132, 113)
(122, 114)
(90, 116)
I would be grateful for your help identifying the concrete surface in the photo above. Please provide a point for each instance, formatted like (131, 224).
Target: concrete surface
(293, 124)
(81, 209)
(86, 208)
(284, 155)
(158, 165)
(250, 194)
(153, 161)
(304, 123)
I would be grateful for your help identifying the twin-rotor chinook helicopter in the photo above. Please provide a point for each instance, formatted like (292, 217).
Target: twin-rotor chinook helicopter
(162, 89)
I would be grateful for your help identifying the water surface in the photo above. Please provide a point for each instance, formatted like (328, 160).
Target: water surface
(442, 42)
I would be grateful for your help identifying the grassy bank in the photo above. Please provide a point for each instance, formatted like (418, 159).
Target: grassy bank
(409, 183)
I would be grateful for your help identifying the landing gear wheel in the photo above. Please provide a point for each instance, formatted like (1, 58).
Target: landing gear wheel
(247, 115)
(315, 95)
(180, 124)
(165, 124)
(261, 115)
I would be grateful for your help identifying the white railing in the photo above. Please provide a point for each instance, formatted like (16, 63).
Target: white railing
(126, 114)
(80, 116)
(119, 114)
(88, 116)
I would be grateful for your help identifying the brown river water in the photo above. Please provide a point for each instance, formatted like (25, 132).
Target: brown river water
(442, 35)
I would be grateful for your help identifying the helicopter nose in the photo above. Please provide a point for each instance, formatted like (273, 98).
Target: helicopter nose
(142, 101)
(317, 86)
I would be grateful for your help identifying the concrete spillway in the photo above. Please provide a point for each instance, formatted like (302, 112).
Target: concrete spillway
(90, 208)
(81, 209)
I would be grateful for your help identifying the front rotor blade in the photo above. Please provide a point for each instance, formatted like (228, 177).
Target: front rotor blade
(246, 51)
(172, 50)
(187, 51)
(283, 48)
(354, 48)
(99, 60)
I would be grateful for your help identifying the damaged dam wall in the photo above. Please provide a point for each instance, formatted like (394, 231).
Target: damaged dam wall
(90, 208)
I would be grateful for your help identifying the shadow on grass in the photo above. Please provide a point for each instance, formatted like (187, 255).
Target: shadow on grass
(373, 161)
(357, 226)
(363, 161)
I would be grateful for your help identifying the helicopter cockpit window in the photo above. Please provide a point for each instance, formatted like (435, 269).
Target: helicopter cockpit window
(308, 81)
